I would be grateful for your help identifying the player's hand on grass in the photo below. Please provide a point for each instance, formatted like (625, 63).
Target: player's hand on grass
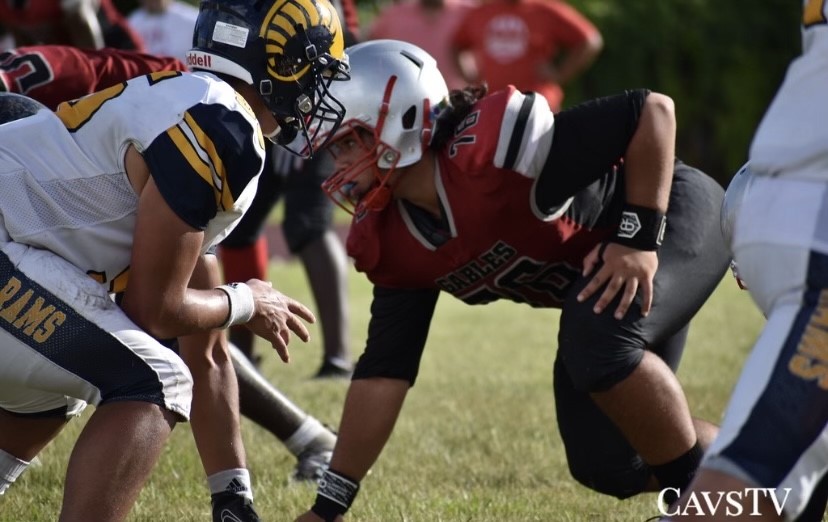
(624, 270)
(276, 315)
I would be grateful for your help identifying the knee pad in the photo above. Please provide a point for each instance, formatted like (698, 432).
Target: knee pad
(596, 350)
(621, 484)
(16, 106)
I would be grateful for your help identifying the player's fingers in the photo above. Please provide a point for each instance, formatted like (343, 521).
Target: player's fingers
(612, 289)
(589, 263)
(627, 298)
(646, 296)
(594, 285)
(280, 346)
(298, 327)
(301, 310)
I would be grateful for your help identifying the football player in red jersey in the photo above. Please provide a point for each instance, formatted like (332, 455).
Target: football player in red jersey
(52, 74)
(81, 23)
(587, 211)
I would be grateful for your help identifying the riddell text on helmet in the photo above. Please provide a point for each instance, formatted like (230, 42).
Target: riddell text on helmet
(199, 60)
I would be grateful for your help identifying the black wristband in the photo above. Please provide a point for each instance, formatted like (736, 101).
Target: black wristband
(641, 228)
(335, 494)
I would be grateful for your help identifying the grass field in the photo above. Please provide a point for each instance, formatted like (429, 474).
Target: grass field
(477, 439)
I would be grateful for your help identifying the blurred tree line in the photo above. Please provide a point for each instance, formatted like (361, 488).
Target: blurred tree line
(720, 60)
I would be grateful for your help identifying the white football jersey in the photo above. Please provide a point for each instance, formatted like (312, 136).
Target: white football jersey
(64, 185)
(791, 139)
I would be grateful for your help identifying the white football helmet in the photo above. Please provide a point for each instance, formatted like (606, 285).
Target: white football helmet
(395, 93)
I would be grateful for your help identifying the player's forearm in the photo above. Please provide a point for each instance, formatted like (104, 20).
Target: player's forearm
(215, 415)
(578, 59)
(650, 155)
(370, 413)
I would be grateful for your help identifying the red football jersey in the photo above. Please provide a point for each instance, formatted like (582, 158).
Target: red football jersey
(52, 74)
(498, 244)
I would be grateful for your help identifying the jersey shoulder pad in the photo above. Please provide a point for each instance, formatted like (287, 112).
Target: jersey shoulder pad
(525, 132)
(507, 129)
(204, 163)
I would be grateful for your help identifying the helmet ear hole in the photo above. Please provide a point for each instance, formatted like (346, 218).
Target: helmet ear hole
(409, 118)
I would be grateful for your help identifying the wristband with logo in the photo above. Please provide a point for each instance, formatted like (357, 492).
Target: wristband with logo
(641, 228)
(334, 495)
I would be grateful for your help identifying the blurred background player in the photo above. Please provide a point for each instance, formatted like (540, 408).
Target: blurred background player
(309, 234)
(428, 24)
(535, 45)
(91, 24)
(165, 26)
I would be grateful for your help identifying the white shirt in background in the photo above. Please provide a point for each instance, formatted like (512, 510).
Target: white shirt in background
(169, 33)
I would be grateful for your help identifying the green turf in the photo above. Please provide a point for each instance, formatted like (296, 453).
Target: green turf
(476, 440)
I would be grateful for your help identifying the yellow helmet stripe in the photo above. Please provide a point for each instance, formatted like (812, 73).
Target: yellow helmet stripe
(270, 15)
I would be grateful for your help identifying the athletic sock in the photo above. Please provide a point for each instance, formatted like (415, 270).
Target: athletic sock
(304, 435)
(235, 480)
(11, 467)
(680, 471)
(243, 263)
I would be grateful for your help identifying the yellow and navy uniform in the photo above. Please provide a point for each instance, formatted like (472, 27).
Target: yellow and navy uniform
(69, 193)
(68, 212)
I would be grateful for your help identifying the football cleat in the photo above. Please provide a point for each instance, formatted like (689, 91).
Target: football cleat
(231, 507)
(311, 464)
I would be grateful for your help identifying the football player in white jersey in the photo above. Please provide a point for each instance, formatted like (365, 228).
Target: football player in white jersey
(125, 190)
(774, 433)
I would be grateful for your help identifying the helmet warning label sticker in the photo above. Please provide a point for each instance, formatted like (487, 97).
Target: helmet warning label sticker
(230, 34)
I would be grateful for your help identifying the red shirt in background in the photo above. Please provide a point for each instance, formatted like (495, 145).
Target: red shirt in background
(430, 28)
(513, 40)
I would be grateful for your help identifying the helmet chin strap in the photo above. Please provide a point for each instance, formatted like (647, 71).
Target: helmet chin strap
(275, 135)
(377, 199)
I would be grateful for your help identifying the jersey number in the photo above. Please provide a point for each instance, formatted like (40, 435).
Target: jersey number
(28, 71)
(528, 281)
(814, 13)
(74, 114)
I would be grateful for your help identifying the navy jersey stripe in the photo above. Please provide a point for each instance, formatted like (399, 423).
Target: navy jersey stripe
(518, 130)
(42, 321)
(792, 410)
(203, 164)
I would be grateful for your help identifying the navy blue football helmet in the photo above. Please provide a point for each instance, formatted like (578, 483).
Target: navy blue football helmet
(289, 50)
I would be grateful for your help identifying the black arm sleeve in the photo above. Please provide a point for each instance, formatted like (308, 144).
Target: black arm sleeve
(397, 333)
(589, 140)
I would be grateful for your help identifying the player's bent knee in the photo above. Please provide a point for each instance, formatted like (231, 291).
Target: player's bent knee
(596, 358)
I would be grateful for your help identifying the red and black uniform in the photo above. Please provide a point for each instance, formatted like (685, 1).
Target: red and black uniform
(42, 22)
(52, 74)
(525, 195)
